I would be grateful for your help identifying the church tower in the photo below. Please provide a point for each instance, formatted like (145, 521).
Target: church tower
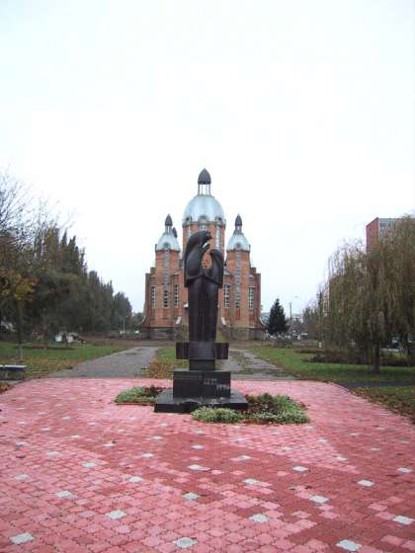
(165, 311)
(242, 307)
(205, 212)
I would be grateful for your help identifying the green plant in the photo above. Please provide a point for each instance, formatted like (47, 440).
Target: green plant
(217, 414)
(280, 409)
(262, 409)
(139, 395)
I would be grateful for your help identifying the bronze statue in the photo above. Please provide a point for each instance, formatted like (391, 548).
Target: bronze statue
(203, 285)
(202, 384)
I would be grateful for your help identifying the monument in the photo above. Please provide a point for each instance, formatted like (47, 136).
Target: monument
(202, 384)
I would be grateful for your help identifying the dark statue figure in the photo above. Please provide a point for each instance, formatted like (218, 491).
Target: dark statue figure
(202, 384)
(203, 285)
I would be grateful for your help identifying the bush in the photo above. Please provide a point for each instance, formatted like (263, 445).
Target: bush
(217, 414)
(140, 395)
(262, 409)
(265, 409)
(160, 369)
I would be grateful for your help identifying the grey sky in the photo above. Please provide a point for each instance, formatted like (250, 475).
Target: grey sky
(303, 113)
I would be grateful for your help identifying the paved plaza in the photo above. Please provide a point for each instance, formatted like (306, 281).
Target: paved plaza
(81, 474)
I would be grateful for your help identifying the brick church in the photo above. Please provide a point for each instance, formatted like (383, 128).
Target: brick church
(165, 310)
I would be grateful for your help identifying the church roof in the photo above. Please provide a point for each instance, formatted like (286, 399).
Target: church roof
(168, 240)
(238, 240)
(204, 207)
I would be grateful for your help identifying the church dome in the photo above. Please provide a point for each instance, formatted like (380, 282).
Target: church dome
(238, 240)
(203, 207)
(168, 240)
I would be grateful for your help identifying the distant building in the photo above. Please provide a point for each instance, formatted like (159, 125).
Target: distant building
(165, 310)
(376, 228)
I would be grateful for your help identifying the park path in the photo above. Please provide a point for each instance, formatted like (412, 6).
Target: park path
(129, 363)
(132, 363)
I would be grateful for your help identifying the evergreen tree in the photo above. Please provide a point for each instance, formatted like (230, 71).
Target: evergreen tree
(277, 322)
(121, 312)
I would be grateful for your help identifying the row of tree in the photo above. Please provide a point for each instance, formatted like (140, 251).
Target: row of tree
(368, 300)
(45, 285)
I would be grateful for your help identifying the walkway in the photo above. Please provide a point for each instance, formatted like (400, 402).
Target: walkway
(133, 362)
(81, 474)
(124, 364)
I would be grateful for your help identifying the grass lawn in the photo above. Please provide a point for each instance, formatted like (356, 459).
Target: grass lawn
(398, 398)
(168, 355)
(298, 364)
(42, 362)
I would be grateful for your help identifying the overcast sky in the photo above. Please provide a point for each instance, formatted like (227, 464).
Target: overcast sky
(302, 111)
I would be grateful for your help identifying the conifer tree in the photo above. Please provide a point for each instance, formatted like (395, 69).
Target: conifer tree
(277, 322)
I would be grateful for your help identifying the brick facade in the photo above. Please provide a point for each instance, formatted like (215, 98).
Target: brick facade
(165, 295)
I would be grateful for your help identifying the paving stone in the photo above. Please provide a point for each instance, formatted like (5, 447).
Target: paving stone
(366, 483)
(64, 494)
(349, 545)
(403, 520)
(197, 467)
(21, 538)
(201, 487)
(259, 518)
(251, 481)
(184, 543)
(190, 496)
(300, 469)
(115, 515)
(319, 499)
(135, 479)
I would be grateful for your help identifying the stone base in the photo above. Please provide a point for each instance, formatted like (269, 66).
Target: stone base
(166, 403)
(193, 383)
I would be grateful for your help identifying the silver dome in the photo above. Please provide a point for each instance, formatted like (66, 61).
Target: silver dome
(205, 208)
(238, 242)
(168, 240)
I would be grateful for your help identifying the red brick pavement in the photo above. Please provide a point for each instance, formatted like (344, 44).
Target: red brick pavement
(80, 474)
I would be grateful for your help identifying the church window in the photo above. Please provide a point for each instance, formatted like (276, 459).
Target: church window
(176, 295)
(238, 299)
(218, 244)
(238, 280)
(227, 296)
(153, 297)
(165, 297)
(251, 298)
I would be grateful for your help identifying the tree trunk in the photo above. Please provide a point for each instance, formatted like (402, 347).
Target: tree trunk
(376, 359)
(19, 330)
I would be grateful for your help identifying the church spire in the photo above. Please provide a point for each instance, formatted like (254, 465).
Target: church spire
(203, 183)
(168, 223)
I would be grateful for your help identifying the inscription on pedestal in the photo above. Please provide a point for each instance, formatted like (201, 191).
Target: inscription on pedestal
(201, 383)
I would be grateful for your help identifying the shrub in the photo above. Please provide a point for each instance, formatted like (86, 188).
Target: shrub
(140, 395)
(160, 369)
(280, 409)
(262, 409)
(217, 414)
